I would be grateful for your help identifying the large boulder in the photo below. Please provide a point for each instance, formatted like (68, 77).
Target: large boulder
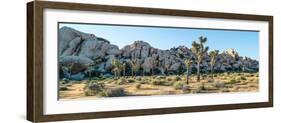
(75, 64)
(70, 38)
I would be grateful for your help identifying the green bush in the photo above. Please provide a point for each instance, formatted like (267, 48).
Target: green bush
(113, 92)
(179, 85)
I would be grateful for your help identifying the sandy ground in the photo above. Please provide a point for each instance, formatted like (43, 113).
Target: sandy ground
(76, 90)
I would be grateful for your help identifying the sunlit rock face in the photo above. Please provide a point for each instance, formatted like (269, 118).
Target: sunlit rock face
(92, 52)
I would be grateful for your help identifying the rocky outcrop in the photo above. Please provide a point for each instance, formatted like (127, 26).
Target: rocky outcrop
(86, 51)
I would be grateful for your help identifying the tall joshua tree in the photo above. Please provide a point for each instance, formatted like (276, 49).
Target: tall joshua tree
(188, 63)
(154, 64)
(199, 50)
(124, 69)
(213, 55)
(117, 67)
(135, 66)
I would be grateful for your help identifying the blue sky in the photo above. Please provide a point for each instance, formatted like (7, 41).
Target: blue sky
(245, 42)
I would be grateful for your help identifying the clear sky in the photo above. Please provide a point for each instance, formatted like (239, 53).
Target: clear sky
(246, 43)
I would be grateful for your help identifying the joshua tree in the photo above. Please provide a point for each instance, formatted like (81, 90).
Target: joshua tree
(213, 55)
(199, 50)
(154, 63)
(117, 67)
(188, 63)
(124, 69)
(135, 66)
(143, 72)
(115, 71)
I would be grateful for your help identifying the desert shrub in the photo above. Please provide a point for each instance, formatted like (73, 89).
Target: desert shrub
(131, 80)
(225, 90)
(63, 88)
(218, 85)
(223, 78)
(249, 75)
(169, 79)
(232, 81)
(185, 87)
(160, 77)
(62, 82)
(170, 83)
(202, 87)
(121, 81)
(158, 82)
(93, 88)
(198, 89)
(210, 80)
(239, 74)
(179, 85)
(113, 92)
(138, 86)
(226, 73)
(138, 78)
(177, 78)
(243, 78)
(229, 86)
(144, 82)
(215, 75)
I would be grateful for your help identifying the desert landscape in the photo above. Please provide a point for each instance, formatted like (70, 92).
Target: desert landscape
(91, 67)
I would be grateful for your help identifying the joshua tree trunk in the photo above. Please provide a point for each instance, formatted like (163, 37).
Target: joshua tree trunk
(119, 74)
(90, 75)
(212, 72)
(187, 77)
(198, 71)
(70, 72)
(124, 72)
(115, 74)
(69, 75)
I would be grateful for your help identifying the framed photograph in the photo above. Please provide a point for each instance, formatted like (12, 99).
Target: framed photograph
(96, 61)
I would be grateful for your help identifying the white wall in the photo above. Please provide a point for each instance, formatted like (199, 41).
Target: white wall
(13, 60)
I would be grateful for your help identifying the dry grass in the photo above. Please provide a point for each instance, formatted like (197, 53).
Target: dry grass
(156, 85)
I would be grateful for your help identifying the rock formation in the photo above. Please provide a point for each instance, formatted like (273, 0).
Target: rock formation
(82, 52)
